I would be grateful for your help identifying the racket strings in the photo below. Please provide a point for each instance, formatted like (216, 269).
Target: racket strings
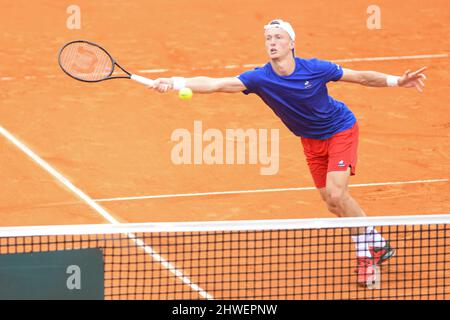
(86, 62)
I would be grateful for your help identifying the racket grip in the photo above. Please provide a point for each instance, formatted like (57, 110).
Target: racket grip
(143, 80)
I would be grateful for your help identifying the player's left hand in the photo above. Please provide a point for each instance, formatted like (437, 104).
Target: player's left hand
(413, 79)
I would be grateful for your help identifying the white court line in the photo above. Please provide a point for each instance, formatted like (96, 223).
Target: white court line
(420, 56)
(253, 65)
(154, 71)
(201, 194)
(105, 214)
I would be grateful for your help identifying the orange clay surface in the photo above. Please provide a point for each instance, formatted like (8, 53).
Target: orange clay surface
(113, 139)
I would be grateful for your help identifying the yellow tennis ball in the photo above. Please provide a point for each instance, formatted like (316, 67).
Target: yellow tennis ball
(185, 94)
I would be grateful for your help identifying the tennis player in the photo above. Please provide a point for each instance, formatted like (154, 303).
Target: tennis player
(296, 90)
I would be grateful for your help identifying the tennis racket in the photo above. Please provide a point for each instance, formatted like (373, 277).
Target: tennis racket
(88, 62)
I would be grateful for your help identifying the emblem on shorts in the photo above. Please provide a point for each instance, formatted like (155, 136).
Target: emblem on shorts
(307, 84)
(341, 163)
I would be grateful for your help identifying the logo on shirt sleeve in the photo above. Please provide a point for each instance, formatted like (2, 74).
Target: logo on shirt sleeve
(341, 163)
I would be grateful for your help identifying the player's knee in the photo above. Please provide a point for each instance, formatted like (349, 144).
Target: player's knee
(335, 197)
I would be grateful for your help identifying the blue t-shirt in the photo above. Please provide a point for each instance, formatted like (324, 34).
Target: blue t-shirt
(301, 99)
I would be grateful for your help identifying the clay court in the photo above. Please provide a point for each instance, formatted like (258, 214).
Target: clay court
(112, 139)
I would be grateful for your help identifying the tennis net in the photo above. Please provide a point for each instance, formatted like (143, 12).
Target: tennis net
(266, 259)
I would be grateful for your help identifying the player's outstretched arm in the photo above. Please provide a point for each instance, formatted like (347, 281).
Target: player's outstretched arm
(200, 84)
(377, 79)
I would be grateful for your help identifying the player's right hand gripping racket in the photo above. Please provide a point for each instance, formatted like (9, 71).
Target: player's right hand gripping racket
(88, 62)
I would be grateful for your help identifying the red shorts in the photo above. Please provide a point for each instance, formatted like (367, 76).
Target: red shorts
(334, 154)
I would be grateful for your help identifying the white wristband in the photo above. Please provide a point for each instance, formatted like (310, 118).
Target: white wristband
(392, 81)
(178, 83)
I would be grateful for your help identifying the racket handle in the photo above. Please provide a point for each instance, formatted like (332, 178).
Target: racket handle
(143, 80)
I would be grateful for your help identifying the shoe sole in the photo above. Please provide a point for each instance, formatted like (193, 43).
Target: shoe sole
(385, 258)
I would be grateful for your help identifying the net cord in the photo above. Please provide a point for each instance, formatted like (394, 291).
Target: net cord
(237, 225)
